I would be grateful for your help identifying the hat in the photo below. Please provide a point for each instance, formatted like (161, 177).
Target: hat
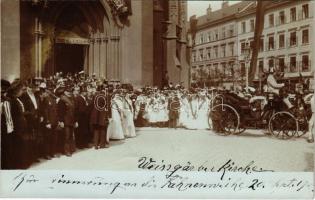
(59, 90)
(271, 70)
(15, 86)
(4, 85)
(42, 85)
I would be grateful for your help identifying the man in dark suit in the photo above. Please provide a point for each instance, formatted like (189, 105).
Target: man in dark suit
(100, 117)
(31, 104)
(7, 138)
(67, 119)
(20, 136)
(82, 112)
(48, 110)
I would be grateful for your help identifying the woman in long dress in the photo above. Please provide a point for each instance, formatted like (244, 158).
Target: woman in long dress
(184, 115)
(203, 111)
(115, 130)
(127, 117)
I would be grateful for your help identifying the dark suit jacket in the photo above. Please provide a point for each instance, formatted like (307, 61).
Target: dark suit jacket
(18, 118)
(31, 114)
(66, 111)
(49, 111)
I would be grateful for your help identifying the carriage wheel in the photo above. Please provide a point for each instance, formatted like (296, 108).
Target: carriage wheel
(283, 125)
(226, 117)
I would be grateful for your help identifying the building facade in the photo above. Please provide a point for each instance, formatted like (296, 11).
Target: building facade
(114, 39)
(285, 43)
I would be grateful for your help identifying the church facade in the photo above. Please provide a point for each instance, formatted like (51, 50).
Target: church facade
(139, 42)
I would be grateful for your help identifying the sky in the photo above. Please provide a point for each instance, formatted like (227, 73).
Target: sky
(196, 7)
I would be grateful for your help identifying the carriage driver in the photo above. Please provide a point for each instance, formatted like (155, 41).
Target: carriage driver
(274, 87)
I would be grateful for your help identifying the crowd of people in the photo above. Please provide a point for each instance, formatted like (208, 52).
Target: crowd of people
(46, 118)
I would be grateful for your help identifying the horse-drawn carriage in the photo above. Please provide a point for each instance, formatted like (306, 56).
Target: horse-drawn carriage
(282, 117)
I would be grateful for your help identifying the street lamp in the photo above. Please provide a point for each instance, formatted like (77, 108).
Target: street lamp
(247, 52)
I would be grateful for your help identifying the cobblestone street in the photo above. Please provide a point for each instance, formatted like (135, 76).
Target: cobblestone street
(198, 147)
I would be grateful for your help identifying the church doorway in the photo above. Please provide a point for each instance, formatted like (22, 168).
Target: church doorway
(70, 58)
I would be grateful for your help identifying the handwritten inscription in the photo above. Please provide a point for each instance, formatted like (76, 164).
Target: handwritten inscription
(229, 166)
(167, 177)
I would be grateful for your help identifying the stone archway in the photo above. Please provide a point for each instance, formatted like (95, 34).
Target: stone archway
(85, 23)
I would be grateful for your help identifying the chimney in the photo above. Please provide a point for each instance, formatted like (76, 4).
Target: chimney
(209, 10)
(225, 4)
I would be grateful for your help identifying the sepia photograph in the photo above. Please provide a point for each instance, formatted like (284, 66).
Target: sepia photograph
(157, 98)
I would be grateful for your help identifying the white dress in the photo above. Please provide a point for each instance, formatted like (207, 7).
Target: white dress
(184, 115)
(163, 113)
(115, 130)
(203, 113)
(127, 118)
(192, 117)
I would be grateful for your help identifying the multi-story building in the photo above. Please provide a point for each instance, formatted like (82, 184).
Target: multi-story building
(285, 43)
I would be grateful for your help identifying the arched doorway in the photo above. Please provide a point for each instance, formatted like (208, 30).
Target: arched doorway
(80, 35)
(71, 40)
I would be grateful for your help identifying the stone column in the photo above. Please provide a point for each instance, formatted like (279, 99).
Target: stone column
(91, 60)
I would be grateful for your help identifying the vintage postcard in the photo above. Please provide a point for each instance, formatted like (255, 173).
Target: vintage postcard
(157, 99)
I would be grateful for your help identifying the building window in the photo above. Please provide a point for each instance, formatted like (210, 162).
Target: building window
(194, 56)
(305, 11)
(243, 27)
(209, 53)
(293, 64)
(281, 64)
(261, 45)
(271, 20)
(231, 31)
(305, 63)
(293, 14)
(223, 51)
(224, 71)
(281, 41)
(242, 47)
(216, 35)
(243, 70)
(252, 25)
(305, 36)
(200, 54)
(293, 39)
(271, 43)
(223, 32)
(261, 66)
(281, 17)
(209, 37)
(216, 52)
(231, 49)
(271, 62)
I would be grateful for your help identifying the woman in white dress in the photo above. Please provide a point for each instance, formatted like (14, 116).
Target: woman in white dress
(127, 117)
(184, 115)
(203, 111)
(193, 109)
(115, 130)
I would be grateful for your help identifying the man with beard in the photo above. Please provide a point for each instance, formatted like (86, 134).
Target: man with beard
(67, 119)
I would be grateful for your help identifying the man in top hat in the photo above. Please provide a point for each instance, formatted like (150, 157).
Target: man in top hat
(83, 113)
(67, 119)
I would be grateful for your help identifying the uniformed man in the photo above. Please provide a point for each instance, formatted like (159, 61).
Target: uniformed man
(67, 119)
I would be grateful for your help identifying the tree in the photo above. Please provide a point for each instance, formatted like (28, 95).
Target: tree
(260, 19)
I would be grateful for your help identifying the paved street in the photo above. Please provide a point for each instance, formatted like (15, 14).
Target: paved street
(181, 146)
